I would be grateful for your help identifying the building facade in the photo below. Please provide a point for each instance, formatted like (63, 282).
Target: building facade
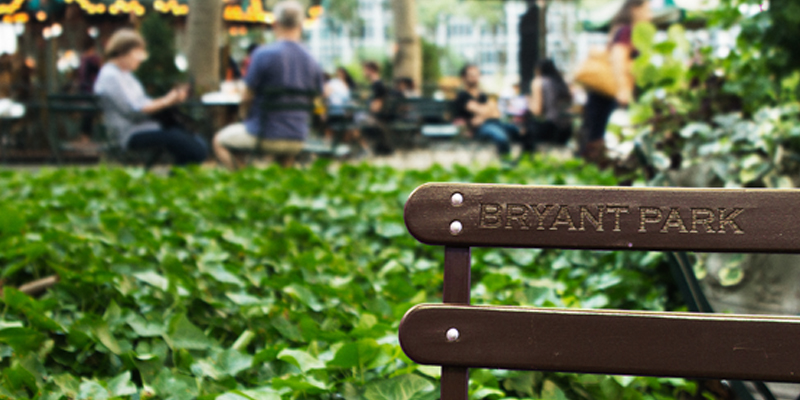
(493, 47)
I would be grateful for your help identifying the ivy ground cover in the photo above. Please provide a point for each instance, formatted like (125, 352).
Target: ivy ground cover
(268, 284)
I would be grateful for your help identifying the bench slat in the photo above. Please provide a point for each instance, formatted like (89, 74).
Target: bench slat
(605, 342)
(602, 218)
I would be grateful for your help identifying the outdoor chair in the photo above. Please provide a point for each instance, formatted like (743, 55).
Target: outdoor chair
(436, 118)
(61, 109)
(109, 144)
(402, 119)
(275, 100)
(458, 336)
(339, 128)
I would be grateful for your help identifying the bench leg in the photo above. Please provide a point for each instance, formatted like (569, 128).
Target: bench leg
(456, 290)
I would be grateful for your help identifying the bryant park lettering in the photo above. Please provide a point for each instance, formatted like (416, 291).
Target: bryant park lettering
(611, 218)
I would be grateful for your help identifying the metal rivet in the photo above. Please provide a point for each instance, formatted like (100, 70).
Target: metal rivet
(456, 228)
(457, 199)
(452, 334)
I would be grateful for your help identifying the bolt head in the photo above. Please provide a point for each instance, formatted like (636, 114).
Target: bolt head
(456, 228)
(452, 334)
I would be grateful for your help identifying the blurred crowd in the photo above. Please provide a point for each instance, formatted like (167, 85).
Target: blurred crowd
(284, 90)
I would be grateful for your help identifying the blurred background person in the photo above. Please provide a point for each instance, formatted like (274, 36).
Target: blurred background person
(599, 107)
(129, 112)
(89, 66)
(283, 65)
(88, 69)
(247, 59)
(482, 116)
(514, 105)
(405, 89)
(376, 125)
(339, 90)
(549, 120)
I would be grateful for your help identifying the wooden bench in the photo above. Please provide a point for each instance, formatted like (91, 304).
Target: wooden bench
(458, 336)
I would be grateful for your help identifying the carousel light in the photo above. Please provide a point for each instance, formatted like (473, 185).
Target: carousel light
(57, 30)
(41, 16)
(315, 12)
(47, 32)
(93, 32)
(11, 8)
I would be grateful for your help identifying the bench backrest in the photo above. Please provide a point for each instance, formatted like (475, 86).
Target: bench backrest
(461, 216)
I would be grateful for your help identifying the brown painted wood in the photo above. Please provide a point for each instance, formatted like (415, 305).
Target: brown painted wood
(612, 218)
(456, 289)
(687, 345)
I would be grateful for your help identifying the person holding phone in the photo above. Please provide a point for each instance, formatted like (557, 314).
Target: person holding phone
(130, 113)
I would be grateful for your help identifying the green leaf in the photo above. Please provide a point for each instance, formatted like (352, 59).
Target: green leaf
(121, 385)
(390, 230)
(358, 354)
(232, 361)
(286, 328)
(103, 334)
(404, 387)
(183, 334)
(11, 221)
(23, 303)
(145, 328)
(175, 386)
(301, 359)
(91, 390)
(643, 36)
(305, 295)
(306, 384)
(152, 278)
(244, 299)
(20, 378)
(255, 394)
(22, 340)
(68, 384)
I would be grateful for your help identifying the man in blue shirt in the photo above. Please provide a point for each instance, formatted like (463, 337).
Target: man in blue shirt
(285, 64)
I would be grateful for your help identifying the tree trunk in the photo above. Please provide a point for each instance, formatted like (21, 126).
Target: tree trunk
(408, 59)
(204, 24)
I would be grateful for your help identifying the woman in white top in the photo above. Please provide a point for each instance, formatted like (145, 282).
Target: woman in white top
(127, 109)
(338, 92)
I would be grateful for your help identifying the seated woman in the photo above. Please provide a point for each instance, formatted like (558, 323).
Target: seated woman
(549, 120)
(128, 111)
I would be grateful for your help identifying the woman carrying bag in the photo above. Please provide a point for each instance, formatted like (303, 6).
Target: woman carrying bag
(608, 78)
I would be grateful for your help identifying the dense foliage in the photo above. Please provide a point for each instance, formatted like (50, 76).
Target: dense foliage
(269, 284)
(733, 115)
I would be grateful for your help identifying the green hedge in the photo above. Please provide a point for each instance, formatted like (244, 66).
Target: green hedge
(269, 284)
